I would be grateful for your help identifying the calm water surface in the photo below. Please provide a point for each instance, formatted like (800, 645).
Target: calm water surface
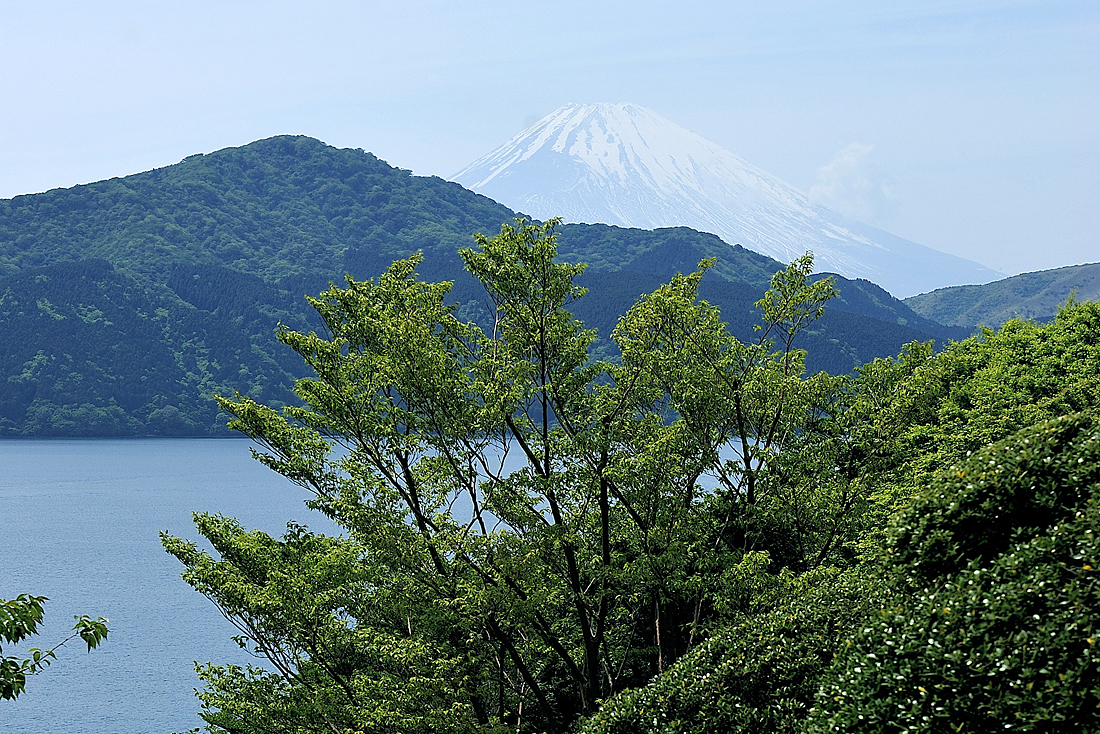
(79, 523)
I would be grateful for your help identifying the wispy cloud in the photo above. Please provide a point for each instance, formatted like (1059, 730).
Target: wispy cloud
(853, 185)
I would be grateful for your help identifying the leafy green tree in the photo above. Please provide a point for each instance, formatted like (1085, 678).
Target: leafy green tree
(935, 411)
(19, 619)
(528, 531)
(892, 428)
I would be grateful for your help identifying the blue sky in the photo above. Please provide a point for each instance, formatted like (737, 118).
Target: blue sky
(970, 127)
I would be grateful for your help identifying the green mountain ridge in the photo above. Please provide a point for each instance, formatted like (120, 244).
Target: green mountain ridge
(125, 304)
(1034, 296)
(279, 208)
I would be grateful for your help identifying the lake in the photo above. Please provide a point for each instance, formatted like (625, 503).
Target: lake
(78, 523)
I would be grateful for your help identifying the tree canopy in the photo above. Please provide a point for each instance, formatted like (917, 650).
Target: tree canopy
(696, 536)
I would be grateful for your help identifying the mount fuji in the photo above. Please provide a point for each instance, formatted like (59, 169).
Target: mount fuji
(625, 165)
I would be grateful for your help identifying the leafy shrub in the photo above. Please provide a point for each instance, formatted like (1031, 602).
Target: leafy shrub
(993, 620)
(760, 675)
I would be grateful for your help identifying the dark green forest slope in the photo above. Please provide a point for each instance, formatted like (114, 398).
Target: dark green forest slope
(1029, 295)
(126, 304)
(89, 350)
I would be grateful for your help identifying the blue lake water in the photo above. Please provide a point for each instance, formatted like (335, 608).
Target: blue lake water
(78, 523)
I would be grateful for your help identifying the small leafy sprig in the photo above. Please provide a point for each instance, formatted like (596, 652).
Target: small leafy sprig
(19, 619)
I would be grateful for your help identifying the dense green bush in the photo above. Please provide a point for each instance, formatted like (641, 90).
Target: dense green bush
(983, 616)
(995, 607)
(760, 675)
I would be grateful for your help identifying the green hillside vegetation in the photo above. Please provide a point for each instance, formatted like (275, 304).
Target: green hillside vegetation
(195, 265)
(864, 298)
(90, 351)
(1028, 296)
(283, 209)
(699, 536)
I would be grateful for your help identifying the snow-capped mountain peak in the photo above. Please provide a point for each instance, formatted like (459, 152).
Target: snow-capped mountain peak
(626, 165)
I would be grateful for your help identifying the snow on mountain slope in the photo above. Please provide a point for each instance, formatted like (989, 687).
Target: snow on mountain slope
(626, 165)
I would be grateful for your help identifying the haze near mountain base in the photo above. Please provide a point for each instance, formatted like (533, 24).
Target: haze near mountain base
(625, 165)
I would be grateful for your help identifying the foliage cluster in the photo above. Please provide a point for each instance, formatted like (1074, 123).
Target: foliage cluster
(759, 674)
(979, 615)
(19, 619)
(934, 411)
(991, 622)
(533, 585)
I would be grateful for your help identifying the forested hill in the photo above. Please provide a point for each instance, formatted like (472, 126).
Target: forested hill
(125, 304)
(281, 208)
(1028, 295)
